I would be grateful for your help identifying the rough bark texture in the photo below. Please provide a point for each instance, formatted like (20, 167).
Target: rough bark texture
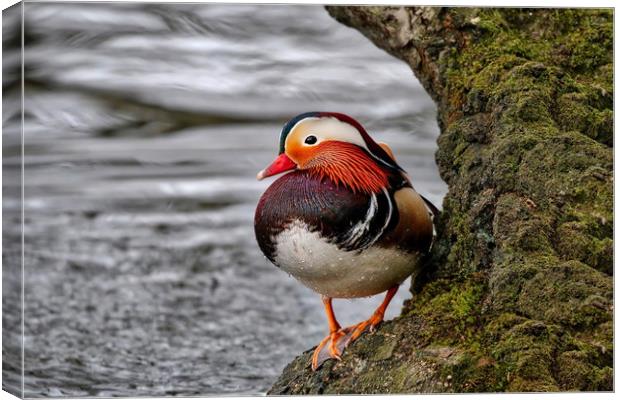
(518, 294)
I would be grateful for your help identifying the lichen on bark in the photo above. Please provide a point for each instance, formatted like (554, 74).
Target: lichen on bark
(517, 295)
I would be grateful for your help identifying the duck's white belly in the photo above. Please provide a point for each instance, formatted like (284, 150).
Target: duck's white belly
(333, 272)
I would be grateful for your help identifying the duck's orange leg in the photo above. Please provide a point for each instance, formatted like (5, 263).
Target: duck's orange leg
(372, 322)
(321, 353)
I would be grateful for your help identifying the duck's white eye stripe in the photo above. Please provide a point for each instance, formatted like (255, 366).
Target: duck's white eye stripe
(299, 123)
(337, 130)
(330, 128)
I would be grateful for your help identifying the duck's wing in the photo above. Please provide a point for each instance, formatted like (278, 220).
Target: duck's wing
(417, 215)
(413, 230)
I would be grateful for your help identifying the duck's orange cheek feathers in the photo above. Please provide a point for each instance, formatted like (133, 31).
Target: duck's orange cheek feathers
(301, 155)
(342, 163)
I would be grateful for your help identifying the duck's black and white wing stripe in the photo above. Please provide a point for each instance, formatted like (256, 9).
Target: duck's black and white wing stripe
(368, 230)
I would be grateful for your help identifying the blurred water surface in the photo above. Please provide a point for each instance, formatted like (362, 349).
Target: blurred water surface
(145, 125)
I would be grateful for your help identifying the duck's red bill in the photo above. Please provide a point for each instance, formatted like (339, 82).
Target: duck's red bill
(279, 165)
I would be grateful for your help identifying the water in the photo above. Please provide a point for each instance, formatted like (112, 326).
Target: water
(145, 126)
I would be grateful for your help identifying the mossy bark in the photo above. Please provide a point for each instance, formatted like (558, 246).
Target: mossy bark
(517, 295)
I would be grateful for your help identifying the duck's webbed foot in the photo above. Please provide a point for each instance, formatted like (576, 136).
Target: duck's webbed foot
(331, 347)
(339, 338)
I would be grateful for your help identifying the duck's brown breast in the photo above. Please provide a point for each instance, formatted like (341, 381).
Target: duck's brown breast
(329, 209)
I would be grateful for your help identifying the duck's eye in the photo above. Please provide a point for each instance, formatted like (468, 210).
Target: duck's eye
(311, 139)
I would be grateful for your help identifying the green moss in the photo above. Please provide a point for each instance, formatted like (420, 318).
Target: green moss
(526, 352)
(569, 294)
(574, 113)
(547, 91)
(576, 372)
(575, 244)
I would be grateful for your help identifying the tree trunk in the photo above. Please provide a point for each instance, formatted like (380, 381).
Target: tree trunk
(518, 291)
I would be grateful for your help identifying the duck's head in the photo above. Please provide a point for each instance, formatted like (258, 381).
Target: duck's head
(333, 145)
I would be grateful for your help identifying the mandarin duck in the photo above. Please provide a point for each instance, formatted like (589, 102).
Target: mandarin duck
(345, 220)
